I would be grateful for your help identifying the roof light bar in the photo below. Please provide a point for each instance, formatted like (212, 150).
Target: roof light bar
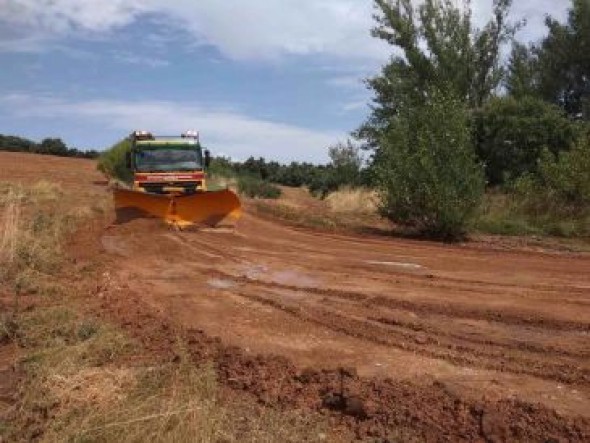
(191, 134)
(142, 135)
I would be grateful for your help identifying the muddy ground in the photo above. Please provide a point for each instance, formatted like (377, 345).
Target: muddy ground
(457, 342)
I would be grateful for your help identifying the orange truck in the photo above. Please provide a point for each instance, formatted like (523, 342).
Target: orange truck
(170, 182)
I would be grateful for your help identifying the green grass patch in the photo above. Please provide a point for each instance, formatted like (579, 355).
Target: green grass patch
(254, 187)
(506, 214)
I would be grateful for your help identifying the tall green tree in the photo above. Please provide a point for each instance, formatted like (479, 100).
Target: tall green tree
(564, 61)
(522, 78)
(511, 133)
(428, 176)
(435, 46)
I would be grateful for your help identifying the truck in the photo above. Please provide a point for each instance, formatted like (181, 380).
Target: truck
(170, 181)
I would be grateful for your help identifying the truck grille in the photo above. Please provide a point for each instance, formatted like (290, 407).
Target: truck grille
(158, 188)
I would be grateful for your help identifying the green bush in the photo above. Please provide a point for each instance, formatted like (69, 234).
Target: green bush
(426, 170)
(568, 176)
(562, 183)
(553, 201)
(254, 187)
(112, 162)
(221, 167)
(510, 135)
(323, 183)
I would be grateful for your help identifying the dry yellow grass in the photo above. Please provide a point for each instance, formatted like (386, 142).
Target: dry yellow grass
(10, 229)
(78, 385)
(34, 220)
(353, 200)
(176, 402)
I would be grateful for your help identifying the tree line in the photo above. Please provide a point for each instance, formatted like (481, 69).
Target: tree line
(344, 169)
(451, 119)
(48, 146)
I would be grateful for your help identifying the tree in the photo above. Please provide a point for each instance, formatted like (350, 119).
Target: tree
(523, 74)
(564, 61)
(53, 146)
(346, 161)
(560, 189)
(427, 174)
(17, 144)
(567, 177)
(511, 133)
(436, 47)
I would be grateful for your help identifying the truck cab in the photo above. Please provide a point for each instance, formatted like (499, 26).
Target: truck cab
(168, 164)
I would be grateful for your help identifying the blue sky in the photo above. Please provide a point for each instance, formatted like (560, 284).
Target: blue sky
(275, 78)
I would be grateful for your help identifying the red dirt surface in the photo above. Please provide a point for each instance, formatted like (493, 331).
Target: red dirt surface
(440, 342)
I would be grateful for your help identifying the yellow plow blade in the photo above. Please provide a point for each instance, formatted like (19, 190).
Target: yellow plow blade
(214, 208)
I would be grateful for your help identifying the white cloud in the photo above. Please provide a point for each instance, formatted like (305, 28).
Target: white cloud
(270, 28)
(230, 132)
(532, 11)
(254, 29)
(62, 16)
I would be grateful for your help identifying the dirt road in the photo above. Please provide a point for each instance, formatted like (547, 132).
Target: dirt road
(455, 321)
(484, 322)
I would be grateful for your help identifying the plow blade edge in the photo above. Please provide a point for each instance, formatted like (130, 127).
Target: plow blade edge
(215, 208)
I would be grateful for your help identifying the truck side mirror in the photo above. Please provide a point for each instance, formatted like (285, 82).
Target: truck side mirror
(207, 158)
(128, 159)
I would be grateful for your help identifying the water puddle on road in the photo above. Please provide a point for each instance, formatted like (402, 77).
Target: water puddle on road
(293, 278)
(287, 277)
(395, 264)
(219, 283)
(115, 245)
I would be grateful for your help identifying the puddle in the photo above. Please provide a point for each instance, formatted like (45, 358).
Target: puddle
(396, 264)
(244, 249)
(115, 245)
(293, 278)
(286, 277)
(255, 271)
(219, 283)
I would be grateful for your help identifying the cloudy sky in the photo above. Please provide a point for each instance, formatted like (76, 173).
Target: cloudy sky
(274, 78)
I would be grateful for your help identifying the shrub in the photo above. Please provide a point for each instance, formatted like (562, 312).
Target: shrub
(221, 167)
(568, 176)
(323, 182)
(426, 171)
(112, 162)
(553, 201)
(562, 183)
(510, 135)
(254, 187)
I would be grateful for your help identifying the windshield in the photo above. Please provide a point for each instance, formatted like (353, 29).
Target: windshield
(168, 160)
